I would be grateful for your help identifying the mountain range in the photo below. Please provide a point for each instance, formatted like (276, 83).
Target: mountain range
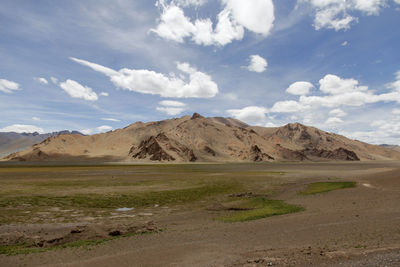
(11, 142)
(199, 139)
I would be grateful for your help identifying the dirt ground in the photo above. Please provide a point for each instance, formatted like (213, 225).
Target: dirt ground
(349, 227)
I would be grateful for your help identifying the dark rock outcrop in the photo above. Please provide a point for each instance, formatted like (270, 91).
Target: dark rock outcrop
(152, 148)
(257, 155)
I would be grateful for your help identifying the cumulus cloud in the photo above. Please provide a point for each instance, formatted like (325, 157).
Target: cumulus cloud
(110, 119)
(333, 121)
(104, 94)
(299, 88)
(335, 14)
(252, 115)
(340, 92)
(337, 113)
(384, 131)
(170, 103)
(21, 128)
(237, 15)
(289, 106)
(257, 64)
(199, 85)
(42, 80)
(8, 87)
(76, 90)
(171, 107)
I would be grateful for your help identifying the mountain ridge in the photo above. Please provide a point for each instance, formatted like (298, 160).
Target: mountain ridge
(199, 139)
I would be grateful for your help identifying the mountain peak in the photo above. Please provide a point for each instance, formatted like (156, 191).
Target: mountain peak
(196, 116)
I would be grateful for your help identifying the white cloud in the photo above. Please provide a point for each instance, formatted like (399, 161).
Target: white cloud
(335, 14)
(333, 121)
(300, 88)
(384, 131)
(257, 64)
(110, 119)
(104, 128)
(170, 110)
(186, 3)
(8, 87)
(36, 118)
(42, 80)
(252, 114)
(339, 92)
(289, 106)
(86, 131)
(104, 94)
(76, 90)
(397, 1)
(200, 85)
(337, 113)
(170, 103)
(54, 80)
(255, 15)
(171, 107)
(100, 129)
(396, 111)
(345, 43)
(334, 85)
(21, 128)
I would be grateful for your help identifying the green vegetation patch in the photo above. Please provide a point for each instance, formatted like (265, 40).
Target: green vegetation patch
(142, 199)
(258, 208)
(10, 250)
(322, 187)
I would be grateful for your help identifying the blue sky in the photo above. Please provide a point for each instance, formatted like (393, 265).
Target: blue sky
(96, 65)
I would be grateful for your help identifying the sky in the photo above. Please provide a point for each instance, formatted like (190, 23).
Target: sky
(99, 65)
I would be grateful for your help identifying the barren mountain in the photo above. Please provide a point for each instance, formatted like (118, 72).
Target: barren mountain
(11, 142)
(191, 139)
(393, 147)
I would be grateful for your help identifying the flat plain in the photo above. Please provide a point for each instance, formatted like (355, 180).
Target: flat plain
(233, 214)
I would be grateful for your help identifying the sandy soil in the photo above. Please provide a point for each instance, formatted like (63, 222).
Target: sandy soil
(351, 227)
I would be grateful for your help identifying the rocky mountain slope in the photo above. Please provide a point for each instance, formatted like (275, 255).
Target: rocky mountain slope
(199, 139)
(11, 142)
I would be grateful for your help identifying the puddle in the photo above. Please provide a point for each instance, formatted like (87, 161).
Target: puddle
(368, 185)
(124, 209)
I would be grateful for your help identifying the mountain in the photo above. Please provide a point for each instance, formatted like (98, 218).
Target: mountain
(199, 139)
(393, 147)
(12, 142)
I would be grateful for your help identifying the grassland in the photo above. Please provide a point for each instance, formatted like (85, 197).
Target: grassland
(54, 194)
(258, 208)
(323, 187)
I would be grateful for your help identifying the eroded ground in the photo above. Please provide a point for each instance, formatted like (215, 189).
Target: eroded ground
(199, 215)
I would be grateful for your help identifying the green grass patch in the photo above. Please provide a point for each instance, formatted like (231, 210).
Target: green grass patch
(142, 199)
(322, 187)
(10, 250)
(259, 208)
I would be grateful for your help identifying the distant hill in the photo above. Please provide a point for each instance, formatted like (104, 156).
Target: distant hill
(11, 142)
(198, 139)
(393, 147)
